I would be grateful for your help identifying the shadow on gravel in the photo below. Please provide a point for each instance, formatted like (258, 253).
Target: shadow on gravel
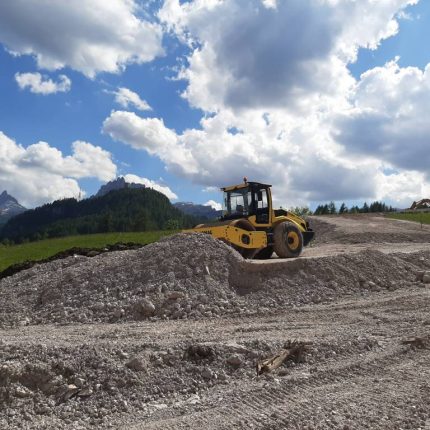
(87, 252)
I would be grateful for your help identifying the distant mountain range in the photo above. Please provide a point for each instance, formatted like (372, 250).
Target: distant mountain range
(196, 210)
(9, 207)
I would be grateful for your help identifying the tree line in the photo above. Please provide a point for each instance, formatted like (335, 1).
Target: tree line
(331, 209)
(123, 210)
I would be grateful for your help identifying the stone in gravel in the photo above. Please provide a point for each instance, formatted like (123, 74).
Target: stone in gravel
(43, 410)
(66, 392)
(24, 322)
(98, 306)
(22, 392)
(207, 373)
(372, 285)
(175, 295)
(159, 406)
(222, 376)
(118, 313)
(122, 354)
(137, 364)
(85, 392)
(178, 315)
(234, 360)
(176, 307)
(426, 278)
(199, 352)
(147, 308)
(79, 382)
(420, 275)
(203, 298)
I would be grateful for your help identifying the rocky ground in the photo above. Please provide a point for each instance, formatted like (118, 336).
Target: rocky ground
(168, 336)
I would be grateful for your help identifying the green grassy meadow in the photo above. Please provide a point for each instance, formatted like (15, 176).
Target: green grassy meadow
(420, 217)
(46, 248)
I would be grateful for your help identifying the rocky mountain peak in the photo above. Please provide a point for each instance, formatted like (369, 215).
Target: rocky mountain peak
(117, 184)
(5, 198)
(9, 206)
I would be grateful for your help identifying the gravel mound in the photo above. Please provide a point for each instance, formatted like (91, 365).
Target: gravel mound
(189, 277)
(324, 280)
(174, 278)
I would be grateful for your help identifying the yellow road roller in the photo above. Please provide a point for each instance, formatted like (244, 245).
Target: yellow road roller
(251, 225)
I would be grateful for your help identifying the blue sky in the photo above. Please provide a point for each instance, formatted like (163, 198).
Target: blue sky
(410, 43)
(313, 109)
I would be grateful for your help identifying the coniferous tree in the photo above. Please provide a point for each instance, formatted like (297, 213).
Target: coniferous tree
(332, 208)
(343, 209)
(365, 208)
(318, 210)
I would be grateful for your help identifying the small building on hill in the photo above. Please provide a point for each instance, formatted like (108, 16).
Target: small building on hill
(421, 204)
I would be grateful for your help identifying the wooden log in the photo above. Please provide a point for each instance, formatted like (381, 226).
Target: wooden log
(418, 342)
(293, 350)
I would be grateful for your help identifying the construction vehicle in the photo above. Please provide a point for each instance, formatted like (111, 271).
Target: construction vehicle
(251, 225)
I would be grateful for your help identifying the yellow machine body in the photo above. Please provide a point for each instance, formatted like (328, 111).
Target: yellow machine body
(237, 236)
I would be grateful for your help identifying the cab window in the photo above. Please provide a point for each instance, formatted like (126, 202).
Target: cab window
(262, 206)
(237, 202)
(261, 199)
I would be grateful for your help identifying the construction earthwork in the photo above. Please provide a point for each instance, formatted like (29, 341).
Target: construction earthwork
(168, 336)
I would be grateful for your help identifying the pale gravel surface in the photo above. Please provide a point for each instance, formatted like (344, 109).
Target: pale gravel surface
(145, 336)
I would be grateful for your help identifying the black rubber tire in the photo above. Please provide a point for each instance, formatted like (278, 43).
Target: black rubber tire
(245, 225)
(288, 240)
(264, 254)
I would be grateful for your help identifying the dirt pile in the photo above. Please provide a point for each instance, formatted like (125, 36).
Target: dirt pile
(183, 275)
(323, 280)
(188, 276)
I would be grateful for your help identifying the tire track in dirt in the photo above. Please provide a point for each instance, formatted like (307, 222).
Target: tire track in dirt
(295, 403)
(347, 386)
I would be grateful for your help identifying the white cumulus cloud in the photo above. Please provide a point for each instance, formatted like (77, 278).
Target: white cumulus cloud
(40, 173)
(286, 155)
(388, 118)
(149, 134)
(39, 84)
(248, 55)
(213, 204)
(127, 98)
(164, 189)
(91, 36)
(402, 188)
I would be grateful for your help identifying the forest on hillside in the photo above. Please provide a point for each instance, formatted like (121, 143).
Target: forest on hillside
(118, 211)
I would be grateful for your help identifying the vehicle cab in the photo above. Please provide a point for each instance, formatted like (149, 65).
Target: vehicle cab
(250, 200)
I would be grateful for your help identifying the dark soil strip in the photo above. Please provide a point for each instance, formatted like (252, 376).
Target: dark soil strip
(88, 252)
